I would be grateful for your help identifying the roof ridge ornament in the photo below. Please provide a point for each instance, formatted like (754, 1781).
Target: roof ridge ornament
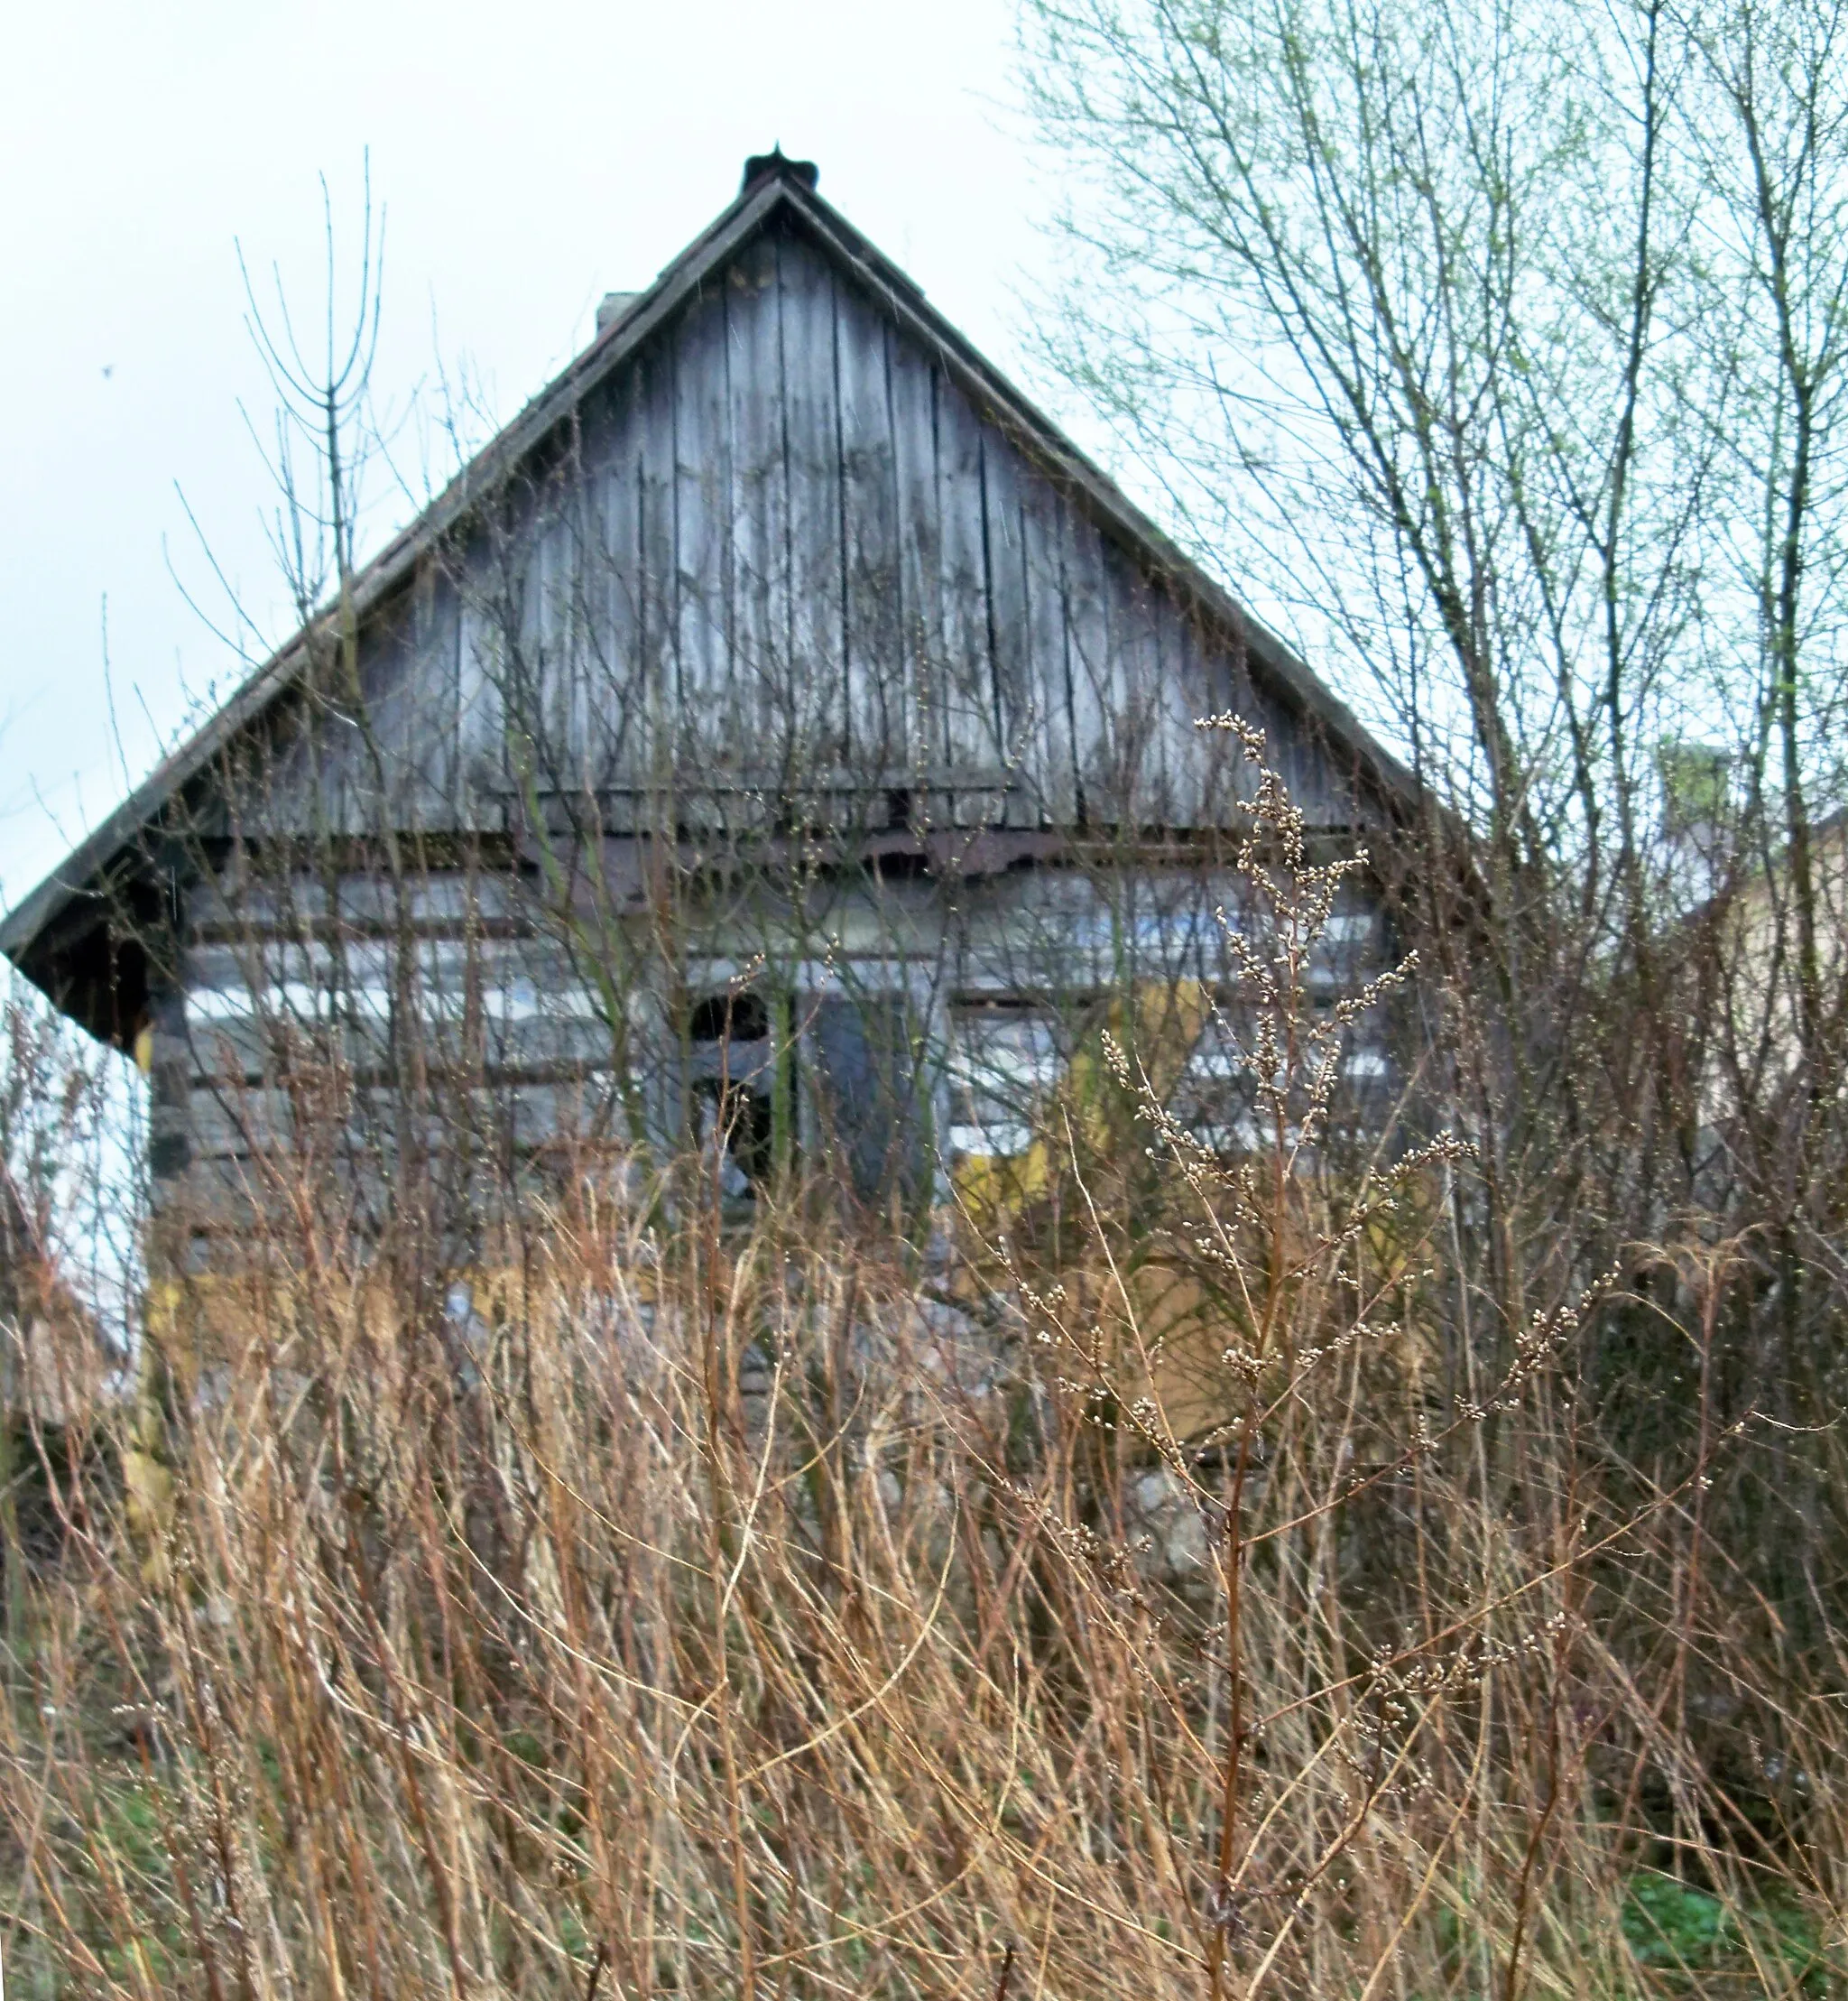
(761, 166)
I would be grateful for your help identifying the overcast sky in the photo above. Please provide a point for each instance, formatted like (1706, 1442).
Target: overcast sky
(528, 158)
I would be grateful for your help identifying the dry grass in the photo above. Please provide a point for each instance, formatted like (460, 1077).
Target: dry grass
(743, 1633)
(789, 1614)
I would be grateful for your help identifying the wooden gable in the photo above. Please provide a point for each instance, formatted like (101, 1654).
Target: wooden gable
(778, 547)
(781, 559)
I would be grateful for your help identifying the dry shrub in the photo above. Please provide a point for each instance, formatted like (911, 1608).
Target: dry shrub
(793, 1612)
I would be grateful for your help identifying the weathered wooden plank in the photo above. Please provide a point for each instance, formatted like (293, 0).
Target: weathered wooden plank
(238, 1122)
(583, 1044)
(877, 721)
(427, 699)
(525, 615)
(703, 503)
(764, 686)
(1103, 713)
(438, 673)
(973, 736)
(483, 617)
(920, 663)
(299, 783)
(1127, 767)
(615, 695)
(553, 656)
(1186, 766)
(1302, 754)
(249, 905)
(508, 977)
(658, 582)
(1019, 725)
(1049, 677)
(817, 575)
(422, 702)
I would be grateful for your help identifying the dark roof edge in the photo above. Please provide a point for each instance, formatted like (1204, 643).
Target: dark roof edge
(81, 871)
(392, 566)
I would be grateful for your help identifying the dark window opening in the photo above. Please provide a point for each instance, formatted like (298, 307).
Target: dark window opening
(729, 1018)
(732, 1089)
(738, 1120)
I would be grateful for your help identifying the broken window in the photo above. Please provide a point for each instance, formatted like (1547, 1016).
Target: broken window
(1008, 1060)
(732, 1088)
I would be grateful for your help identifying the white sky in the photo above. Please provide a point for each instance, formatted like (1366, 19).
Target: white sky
(529, 160)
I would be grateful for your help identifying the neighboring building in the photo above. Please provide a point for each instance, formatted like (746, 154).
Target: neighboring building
(1747, 934)
(778, 729)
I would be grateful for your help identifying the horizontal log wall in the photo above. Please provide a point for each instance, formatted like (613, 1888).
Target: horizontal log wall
(531, 1031)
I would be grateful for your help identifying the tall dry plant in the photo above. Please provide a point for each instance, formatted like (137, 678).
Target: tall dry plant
(1497, 349)
(641, 1604)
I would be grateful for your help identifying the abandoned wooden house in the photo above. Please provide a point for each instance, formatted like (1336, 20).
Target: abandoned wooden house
(779, 734)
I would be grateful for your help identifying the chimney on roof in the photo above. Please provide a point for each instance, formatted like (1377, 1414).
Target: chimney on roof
(761, 166)
(613, 306)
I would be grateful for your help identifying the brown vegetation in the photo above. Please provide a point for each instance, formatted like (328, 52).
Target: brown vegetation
(786, 1611)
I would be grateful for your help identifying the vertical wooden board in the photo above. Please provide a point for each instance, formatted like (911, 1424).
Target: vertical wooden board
(1246, 701)
(1105, 730)
(762, 687)
(616, 692)
(972, 730)
(430, 687)
(877, 724)
(657, 582)
(1141, 747)
(574, 538)
(1290, 756)
(1020, 728)
(703, 515)
(1211, 676)
(307, 788)
(439, 626)
(1199, 771)
(513, 585)
(379, 758)
(817, 637)
(1042, 534)
(553, 662)
(480, 644)
(302, 783)
(366, 753)
(1095, 712)
(400, 763)
(1174, 753)
(911, 386)
(1305, 759)
(1332, 792)
(1115, 763)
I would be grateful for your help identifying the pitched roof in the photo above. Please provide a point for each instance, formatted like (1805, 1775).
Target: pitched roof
(776, 191)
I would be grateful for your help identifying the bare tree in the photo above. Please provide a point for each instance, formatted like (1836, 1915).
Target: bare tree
(1500, 346)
